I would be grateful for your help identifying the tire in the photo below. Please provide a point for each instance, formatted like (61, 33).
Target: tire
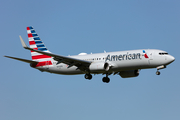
(158, 73)
(88, 76)
(106, 80)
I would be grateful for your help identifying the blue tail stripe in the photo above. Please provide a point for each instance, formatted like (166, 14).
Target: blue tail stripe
(42, 49)
(34, 35)
(30, 27)
(40, 45)
(38, 42)
(33, 31)
(37, 38)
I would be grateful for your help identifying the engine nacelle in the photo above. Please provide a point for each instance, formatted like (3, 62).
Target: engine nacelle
(99, 66)
(130, 73)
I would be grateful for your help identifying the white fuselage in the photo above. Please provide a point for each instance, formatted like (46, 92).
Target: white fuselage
(118, 61)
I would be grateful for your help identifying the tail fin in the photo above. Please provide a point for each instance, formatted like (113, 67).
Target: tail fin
(36, 43)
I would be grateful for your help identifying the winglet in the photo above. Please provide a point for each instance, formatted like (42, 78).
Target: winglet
(22, 42)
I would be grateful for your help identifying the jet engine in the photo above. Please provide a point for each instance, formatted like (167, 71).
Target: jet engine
(99, 66)
(129, 73)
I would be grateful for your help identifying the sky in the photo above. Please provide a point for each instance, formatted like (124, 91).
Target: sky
(69, 27)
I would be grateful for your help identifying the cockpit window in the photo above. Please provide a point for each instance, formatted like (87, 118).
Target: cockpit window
(164, 53)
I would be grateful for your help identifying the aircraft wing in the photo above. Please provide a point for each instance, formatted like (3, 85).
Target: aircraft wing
(81, 64)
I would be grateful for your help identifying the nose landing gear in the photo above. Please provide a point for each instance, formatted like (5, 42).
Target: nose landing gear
(158, 68)
(157, 72)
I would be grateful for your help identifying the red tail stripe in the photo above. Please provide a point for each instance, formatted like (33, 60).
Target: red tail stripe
(44, 63)
(30, 35)
(35, 49)
(40, 57)
(31, 43)
(28, 28)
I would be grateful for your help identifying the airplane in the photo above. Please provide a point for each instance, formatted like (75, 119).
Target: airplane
(124, 63)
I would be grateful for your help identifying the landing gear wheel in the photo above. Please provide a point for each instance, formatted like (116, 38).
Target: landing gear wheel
(106, 79)
(88, 76)
(158, 73)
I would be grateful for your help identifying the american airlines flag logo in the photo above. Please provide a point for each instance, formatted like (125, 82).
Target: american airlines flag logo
(145, 55)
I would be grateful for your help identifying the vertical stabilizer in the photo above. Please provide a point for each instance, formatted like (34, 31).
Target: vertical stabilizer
(36, 43)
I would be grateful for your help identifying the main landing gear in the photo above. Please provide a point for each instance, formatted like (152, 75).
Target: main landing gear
(88, 76)
(105, 79)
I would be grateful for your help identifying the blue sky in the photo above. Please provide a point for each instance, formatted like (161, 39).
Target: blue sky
(71, 27)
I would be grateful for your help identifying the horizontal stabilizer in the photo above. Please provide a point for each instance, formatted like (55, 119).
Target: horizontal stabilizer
(20, 59)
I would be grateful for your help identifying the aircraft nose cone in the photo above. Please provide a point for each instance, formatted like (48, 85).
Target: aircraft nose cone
(171, 59)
